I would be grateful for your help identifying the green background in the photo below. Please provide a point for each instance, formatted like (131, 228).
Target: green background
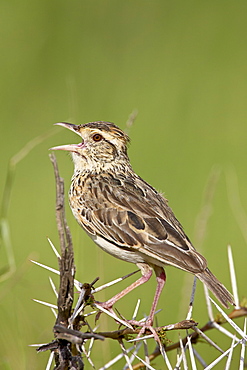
(182, 65)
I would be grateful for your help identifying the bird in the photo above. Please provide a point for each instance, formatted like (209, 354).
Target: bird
(125, 216)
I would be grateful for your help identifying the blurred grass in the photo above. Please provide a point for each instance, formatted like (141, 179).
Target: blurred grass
(183, 66)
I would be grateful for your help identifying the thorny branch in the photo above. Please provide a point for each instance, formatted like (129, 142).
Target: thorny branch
(66, 262)
(67, 353)
(195, 336)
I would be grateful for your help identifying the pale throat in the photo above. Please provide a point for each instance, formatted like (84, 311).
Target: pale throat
(88, 165)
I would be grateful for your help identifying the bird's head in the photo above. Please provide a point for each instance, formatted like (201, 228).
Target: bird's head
(103, 145)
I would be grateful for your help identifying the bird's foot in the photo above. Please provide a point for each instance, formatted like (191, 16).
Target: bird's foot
(145, 326)
(107, 308)
(103, 306)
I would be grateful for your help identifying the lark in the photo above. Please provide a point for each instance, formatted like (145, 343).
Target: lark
(127, 217)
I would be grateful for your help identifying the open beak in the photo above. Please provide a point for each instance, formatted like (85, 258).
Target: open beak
(70, 147)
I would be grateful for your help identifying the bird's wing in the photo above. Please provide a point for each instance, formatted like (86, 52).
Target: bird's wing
(131, 214)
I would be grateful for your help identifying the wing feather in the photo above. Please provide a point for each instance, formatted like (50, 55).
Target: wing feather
(129, 213)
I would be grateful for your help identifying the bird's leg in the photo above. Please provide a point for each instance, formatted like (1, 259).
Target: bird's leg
(146, 275)
(161, 279)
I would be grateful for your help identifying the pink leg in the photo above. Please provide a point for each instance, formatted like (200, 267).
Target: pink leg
(146, 275)
(161, 279)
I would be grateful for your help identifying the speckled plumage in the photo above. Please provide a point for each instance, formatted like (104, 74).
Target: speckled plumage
(125, 215)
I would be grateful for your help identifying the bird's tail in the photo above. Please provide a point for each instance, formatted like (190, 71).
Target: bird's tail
(216, 287)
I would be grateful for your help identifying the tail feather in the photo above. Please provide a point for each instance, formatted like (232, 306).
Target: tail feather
(218, 289)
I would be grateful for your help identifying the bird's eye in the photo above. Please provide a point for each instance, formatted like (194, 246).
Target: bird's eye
(97, 137)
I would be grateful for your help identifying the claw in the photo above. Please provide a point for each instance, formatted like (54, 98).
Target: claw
(103, 307)
(146, 325)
